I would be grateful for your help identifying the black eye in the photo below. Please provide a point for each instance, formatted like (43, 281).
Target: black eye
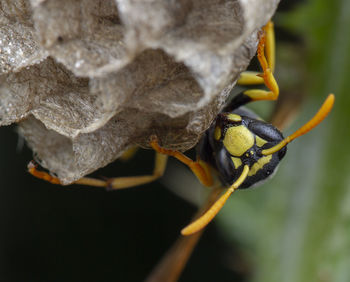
(268, 172)
(282, 152)
(265, 131)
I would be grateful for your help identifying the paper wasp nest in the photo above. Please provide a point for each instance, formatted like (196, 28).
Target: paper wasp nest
(87, 79)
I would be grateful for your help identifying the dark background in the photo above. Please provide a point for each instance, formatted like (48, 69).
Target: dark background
(77, 233)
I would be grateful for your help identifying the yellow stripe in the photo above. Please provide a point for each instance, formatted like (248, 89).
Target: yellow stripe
(259, 165)
(217, 133)
(237, 162)
(259, 141)
(234, 117)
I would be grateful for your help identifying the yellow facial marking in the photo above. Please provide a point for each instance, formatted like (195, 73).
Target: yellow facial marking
(259, 165)
(238, 139)
(217, 133)
(236, 161)
(234, 117)
(259, 141)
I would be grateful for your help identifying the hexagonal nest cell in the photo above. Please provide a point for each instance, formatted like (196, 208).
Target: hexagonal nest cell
(87, 79)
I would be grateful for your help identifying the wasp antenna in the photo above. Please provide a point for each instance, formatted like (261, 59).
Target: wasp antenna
(203, 221)
(317, 119)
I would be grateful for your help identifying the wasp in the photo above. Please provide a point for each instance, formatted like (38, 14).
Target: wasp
(240, 148)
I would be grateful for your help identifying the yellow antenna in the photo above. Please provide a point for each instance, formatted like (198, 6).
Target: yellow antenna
(216, 207)
(317, 119)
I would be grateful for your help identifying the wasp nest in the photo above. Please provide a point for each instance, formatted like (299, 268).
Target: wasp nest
(87, 79)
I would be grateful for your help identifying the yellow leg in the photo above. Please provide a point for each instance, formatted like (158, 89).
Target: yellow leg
(250, 78)
(172, 264)
(112, 183)
(41, 174)
(199, 168)
(128, 154)
(266, 48)
(268, 40)
(270, 49)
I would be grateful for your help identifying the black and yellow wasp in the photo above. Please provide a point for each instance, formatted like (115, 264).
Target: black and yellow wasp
(242, 149)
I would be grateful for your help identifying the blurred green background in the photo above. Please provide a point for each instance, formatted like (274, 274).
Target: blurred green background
(294, 228)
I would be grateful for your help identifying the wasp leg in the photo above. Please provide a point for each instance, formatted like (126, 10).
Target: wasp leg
(130, 181)
(250, 78)
(42, 174)
(174, 261)
(112, 183)
(129, 154)
(266, 46)
(270, 45)
(199, 168)
(266, 43)
(269, 79)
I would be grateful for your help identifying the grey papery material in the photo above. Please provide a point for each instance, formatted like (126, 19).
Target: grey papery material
(87, 79)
